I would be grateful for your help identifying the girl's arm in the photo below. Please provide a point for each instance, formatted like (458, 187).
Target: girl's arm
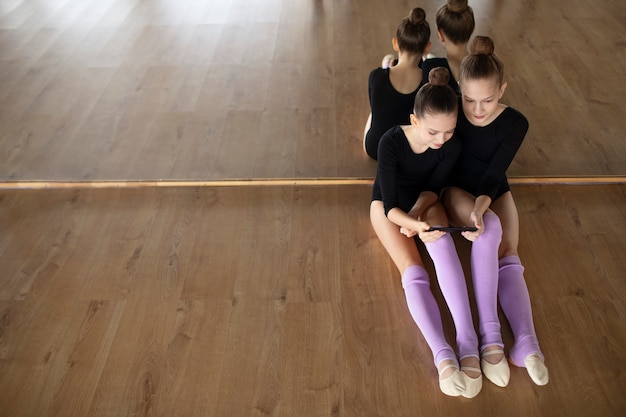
(509, 140)
(481, 205)
(404, 220)
(425, 200)
(411, 226)
(447, 158)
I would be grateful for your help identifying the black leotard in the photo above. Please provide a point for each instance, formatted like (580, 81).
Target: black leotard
(389, 108)
(403, 175)
(488, 152)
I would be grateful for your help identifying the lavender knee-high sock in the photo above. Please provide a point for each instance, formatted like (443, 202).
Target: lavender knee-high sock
(484, 260)
(454, 288)
(515, 303)
(425, 312)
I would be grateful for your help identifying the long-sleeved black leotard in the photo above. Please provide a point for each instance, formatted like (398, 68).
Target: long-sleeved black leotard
(487, 152)
(403, 175)
(388, 106)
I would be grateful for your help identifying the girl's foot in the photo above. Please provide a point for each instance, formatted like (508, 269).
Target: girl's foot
(472, 375)
(388, 61)
(451, 381)
(536, 369)
(495, 366)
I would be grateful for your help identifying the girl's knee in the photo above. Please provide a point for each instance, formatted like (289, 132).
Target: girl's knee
(449, 195)
(493, 229)
(436, 215)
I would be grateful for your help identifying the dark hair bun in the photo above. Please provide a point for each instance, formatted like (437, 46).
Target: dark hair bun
(482, 45)
(457, 6)
(439, 76)
(417, 16)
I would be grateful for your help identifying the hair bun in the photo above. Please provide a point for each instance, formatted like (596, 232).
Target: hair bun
(457, 6)
(417, 16)
(439, 76)
(482, 45)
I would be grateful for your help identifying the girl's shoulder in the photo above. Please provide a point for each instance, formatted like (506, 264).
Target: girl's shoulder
(395, 134)
(379, 74)
(380, 80)
(393, 143)
(512, 113)
(511, 116)
(395, 138)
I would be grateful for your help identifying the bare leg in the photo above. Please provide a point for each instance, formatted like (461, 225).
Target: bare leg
(506, 210)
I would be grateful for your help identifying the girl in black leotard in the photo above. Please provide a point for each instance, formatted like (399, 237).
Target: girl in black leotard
(491, 134)
(392, 90)
(414, 163)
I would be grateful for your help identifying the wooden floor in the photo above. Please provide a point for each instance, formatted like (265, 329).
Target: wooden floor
(278, 300)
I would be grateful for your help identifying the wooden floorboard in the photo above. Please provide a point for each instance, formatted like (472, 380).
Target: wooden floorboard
(191, 90)
(214, 301)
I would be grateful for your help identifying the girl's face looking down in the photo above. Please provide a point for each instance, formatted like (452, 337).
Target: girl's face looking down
(434, 129)
(480, 100)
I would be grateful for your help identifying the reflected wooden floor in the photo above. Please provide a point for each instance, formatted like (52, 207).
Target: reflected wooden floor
(250, 301)
(188, 89)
